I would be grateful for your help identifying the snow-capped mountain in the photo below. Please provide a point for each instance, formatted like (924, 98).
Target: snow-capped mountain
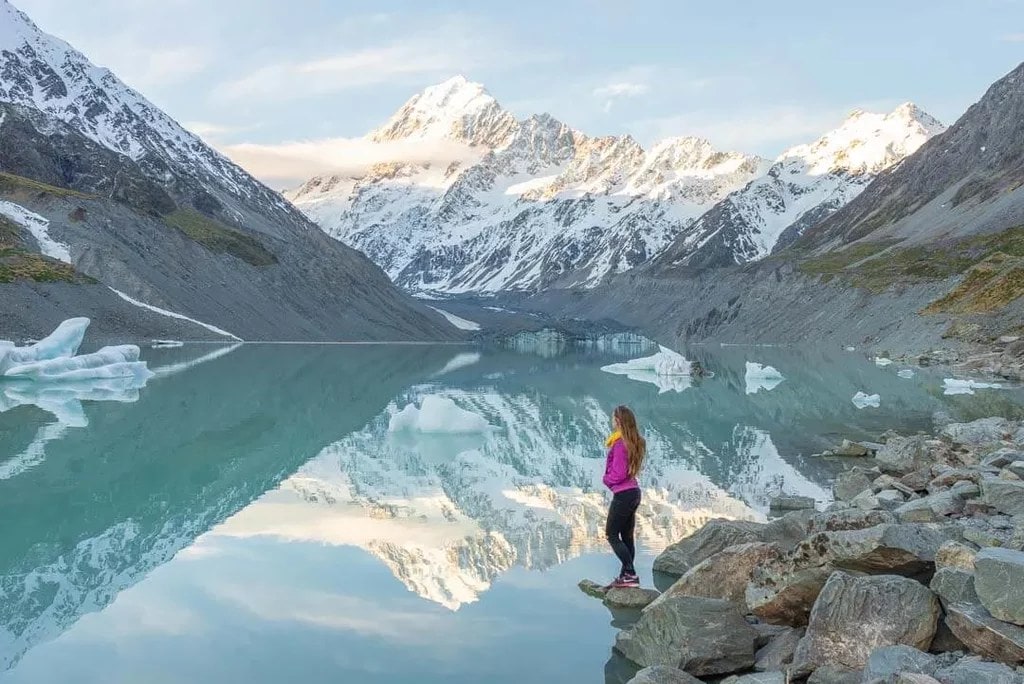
(520, 203)
(805, 185)
(527, 204)
(163, 218)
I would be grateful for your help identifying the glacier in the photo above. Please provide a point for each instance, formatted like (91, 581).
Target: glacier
(438, 414)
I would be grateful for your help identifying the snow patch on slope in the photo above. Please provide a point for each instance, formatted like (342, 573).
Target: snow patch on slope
(172, 314)
(39, 227)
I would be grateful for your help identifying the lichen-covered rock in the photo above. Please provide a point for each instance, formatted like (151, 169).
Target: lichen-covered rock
(829, 674)
(848, 519)
(999, 581)
(902, 455)
(853, 616)
(888, 661)
(717, 535)
(663, 674)
(726, 574)
(592, 588)
(699, 635)
(1006, 496)
(953, 585)
(984, 634)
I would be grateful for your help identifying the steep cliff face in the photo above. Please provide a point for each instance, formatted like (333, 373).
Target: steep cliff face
(146, 208)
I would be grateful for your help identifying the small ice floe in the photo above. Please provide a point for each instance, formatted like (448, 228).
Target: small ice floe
(668, 370)
(957, 386)
(851, 349)
(438, 414)
(906, 373)
(166, 344)
(882, 361)
(862, 400)
(760, 377)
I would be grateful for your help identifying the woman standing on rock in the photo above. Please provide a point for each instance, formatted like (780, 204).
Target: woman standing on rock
(626, 450)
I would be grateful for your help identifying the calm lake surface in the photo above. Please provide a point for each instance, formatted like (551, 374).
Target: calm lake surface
(248, 517)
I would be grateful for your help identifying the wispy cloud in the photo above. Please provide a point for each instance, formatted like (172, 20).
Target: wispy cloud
(289, 164)
(1013, 38)
(455, 45)
(616, 91)
(212, 132)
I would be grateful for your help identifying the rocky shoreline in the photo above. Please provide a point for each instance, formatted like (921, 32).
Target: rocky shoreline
(914, 575)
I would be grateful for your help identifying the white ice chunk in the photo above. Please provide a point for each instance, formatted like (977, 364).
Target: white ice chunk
(459, 361)
(460, 323)
(882, 361)
(862, 400)
(851, 349)
(438, 414)
(906, 373)
(62, 343)
(668, 370)
(167, 344)
(109, 362)
(952, 386)
(760, 377)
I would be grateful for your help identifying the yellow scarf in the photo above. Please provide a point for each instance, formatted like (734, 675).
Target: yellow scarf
(613, 438)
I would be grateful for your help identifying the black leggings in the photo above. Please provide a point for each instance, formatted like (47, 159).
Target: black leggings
(620, 526)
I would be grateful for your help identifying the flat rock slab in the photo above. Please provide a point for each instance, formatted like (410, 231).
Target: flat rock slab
(630, 597)
(888, 661)
(717, 535)
(902, 455)
(953, 585)
(791, 503)
(853, 616)
(777, 654)
(591, 588)
(999, 581)
(699, 635)
(834, 675)
(979, 432)
(973, 670)
(984, 634)
(849, 484)
(663, 674)
(757, 678)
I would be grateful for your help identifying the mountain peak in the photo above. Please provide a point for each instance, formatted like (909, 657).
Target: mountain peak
(457, 109)
(867, 142)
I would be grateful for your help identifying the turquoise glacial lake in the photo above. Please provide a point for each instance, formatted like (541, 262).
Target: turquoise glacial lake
(248, 516)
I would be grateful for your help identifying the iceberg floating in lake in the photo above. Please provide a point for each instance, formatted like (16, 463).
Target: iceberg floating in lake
(957, 386)
(882, 361)
(62, 343)
(668, 370)
(906, 373)
(862, 400)
(167, 344)
(438, 414)
(760, 377)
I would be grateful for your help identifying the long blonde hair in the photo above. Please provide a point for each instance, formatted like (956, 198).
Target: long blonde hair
(636, 446)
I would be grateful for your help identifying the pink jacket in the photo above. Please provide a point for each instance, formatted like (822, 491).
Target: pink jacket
(616, 469)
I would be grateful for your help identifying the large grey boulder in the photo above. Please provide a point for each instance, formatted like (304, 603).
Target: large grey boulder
(853, 616)
(999, 581)
(931, 508)
(726, 574)
(888, 661)
(717, 535)
(830, 674)
(953, 585)
(783, 591)
(700, 635)
(663, 674)
(973, 670)
(757, 678)
(984, 634)
(1006, 496)
(902, 455)
(979, 432)
(790, 529)
(777, 654)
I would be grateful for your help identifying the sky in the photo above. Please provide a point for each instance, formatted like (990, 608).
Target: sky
(752, 76)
